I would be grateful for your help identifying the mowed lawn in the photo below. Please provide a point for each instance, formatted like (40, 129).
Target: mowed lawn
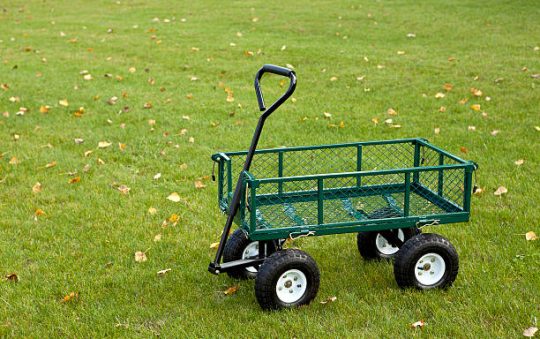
(109, 107)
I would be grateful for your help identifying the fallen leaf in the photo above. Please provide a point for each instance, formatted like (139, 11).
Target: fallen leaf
(327, 115)
(157, 176)
(100, 161)
(463, 149)
(183, 166)
(157, 237)
(112, 100)
(437, 130)
(389, 121)
(152, 210)
(87, 77)
(37, 187)
(13, 161)
(448, 87)
(174, 218)
(333, 78)
(87, 153)
(51, 164)
(63, 102)
(476, 92)
(537, 128)
(214, 245)
(530, 332)
(163, 272)
(329, 300)
(531, 236)
(104, 144)
(199, 184)
(191, 140)
(174, 197)
(477, 190)
(69, 297)
(391, 111)
(78, 141)
(122, 146)
(132, 70)
(500, 191)
(494, 132)
(471, 128)
(419, 324)
(39, 212)
(44, 109)
(12, 277)
(519, 162)
(74, 180)
(439, 95)
(375, 120)
(151, 122)
(140, 256)
(123, 189)
(231, 290)
(476, 107)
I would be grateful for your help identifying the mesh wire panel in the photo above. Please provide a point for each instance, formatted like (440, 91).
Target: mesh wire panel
(387, 156)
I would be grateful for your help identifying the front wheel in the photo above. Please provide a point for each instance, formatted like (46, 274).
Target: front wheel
(238, 246)
(426, 261)
(287, 279)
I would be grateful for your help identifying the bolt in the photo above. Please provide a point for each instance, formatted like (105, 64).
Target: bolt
(280, 288)
(295, 278)
(298, 285)
(419, 273)
(290, 291)
(431, 272)
(432, 259)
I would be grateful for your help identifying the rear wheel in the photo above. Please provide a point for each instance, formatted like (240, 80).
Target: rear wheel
(373, 245)
(238, 246)
(287, 279)
(426, 261)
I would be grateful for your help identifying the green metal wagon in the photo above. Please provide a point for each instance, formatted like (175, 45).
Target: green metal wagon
(384, 191)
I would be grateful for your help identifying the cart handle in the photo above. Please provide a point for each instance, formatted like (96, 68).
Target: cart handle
(279, 71)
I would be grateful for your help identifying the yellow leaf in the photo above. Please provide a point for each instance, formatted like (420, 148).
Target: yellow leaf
(537, 128)
(531, 236)
(132, 70)
(140, 256)
(163, 272)
(51, 164)
(87, 153)
(214, 245)
(476, 92)
(375, 120)
(63, 102)
(44, 109)
(147, 105)
(152, 210)
(157, 237)
(37, 187)
(500, 191)
(448, 87)
(183, 166)
(69, 297)
(477, 190)
(327, 115)
(104, 144)
(333, 78)
(100, 162)
(191, 140)
(39, 212)
(174, 197)
(519, 162)
(391, 111)
(122, 146)
(439, 95)
(174, 218)
(471, 128)
(199, 184)
(476, 107)
(157, 176)
(329, 300)
(74, 180)
(341, 124)
(437, 130)
(442, 109)
(231, 290)
(151, 122)
(13, 161)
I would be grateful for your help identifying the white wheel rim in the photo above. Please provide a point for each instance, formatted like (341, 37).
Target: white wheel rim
(291, 286)
(429, 269)
(384, 247)
(251, 251)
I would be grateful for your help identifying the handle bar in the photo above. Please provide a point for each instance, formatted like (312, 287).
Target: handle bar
(279, 71)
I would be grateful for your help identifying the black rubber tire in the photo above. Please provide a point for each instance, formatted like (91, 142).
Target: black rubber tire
(414, 249)
(272, 269)
(367, 244)
(234, 248)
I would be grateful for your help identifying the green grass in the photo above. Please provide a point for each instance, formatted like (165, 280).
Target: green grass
(86, 240)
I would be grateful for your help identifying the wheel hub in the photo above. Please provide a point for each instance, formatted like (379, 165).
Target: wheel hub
(291, 286)
(430, 269)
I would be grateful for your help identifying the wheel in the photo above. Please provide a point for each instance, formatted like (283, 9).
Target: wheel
(238, 246)
(372, 245)
(426, 261)
(286, 279)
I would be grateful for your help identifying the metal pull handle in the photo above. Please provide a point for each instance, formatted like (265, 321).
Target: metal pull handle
(279, 71)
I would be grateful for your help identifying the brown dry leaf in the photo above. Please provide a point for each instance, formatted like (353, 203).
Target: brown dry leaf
(448, 87)
(476, 92)
(51, 164)
(199, 184)
(419, 324)
(37, 187)
(329, 300)
(214, 245)
(530, 236)
(5, 87)
(530, 332)
(74, 180)
(69, 297)
(104, 144)
(13, 161)
(12, 277)
(152, 210)
(123, 189)
(140, 256)
(174, 197)
(163, 272)
(39, 212)
(63, 102)
(231, 290)
(391, 111)
(500, 191)
(519, 162)
(44, 109)
(79, 113)
(148, 105)
(476, 107)
(463, 149)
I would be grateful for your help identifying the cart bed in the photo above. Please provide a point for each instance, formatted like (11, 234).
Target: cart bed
(346, 188)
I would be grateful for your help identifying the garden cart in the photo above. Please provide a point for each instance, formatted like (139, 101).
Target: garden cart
(384, 191)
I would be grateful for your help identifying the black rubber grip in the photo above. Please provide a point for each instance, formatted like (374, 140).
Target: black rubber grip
(276, 70)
